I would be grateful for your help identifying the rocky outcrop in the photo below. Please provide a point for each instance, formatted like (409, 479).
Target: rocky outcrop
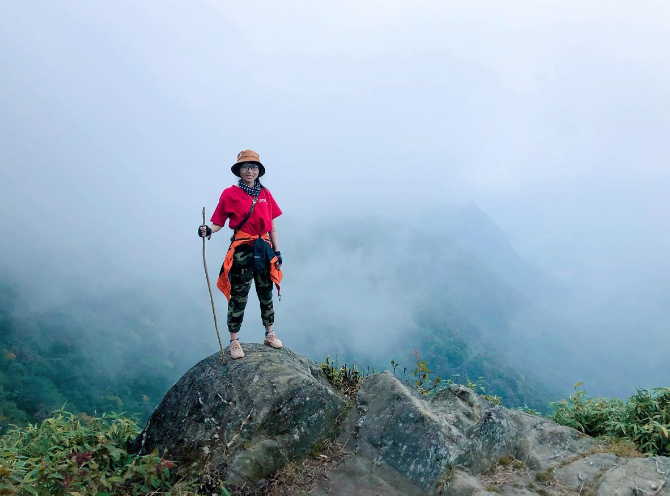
(425, 439)
(247, 419)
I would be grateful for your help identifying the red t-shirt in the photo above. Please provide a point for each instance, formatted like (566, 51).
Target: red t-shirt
(234, 205)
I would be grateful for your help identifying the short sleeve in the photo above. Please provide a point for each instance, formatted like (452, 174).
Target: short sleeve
(276, 211)
(222, 211)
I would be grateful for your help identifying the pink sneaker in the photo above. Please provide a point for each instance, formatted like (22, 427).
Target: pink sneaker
(272, 340)
(236, 349)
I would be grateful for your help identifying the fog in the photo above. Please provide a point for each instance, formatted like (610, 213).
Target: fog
(378, 123)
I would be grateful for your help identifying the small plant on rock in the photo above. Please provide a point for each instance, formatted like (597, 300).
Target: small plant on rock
(423, 382)
(478, 387)
(346, 380)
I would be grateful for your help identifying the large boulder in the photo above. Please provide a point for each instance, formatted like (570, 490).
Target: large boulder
(246, 419)
(249, 418)
(459, 444)
(424, 440)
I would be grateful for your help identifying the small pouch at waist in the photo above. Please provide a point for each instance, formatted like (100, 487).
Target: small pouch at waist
(262, 255)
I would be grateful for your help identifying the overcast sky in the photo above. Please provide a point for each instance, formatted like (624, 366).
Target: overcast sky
(120, 120)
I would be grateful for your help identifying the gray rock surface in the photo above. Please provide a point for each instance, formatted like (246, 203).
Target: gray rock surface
(586, 471)
(546, 444)
(636, 476)
(391, 424)
(358, 476)
(246, 419)
(453, 443)
(425, 439)
(463, 484)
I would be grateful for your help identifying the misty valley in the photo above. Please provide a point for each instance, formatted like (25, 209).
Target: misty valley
(464, 300)
(460, 307)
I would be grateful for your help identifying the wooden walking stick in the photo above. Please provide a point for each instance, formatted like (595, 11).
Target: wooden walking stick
(209, 286)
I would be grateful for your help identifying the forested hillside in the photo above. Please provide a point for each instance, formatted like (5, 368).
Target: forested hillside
(104, 354)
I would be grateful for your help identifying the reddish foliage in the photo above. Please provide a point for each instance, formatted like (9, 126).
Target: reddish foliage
(81, 458)
(68, 480)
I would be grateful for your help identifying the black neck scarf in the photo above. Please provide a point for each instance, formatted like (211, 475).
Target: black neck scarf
(255, 191)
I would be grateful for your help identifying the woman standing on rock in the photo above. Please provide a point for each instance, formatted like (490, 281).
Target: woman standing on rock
(254, 252)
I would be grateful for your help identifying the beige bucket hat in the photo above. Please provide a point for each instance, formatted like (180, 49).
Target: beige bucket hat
(247, 156)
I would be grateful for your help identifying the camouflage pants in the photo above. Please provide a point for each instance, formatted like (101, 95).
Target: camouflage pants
(241, 274)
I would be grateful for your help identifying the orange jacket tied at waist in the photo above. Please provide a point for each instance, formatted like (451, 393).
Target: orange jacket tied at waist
(243, 238)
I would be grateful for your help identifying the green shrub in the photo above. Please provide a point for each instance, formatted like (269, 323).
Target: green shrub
(77, 455)
(647, 421)
(644, 419)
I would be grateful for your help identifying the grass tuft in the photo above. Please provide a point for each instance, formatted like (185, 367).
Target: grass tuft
(643, 420)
